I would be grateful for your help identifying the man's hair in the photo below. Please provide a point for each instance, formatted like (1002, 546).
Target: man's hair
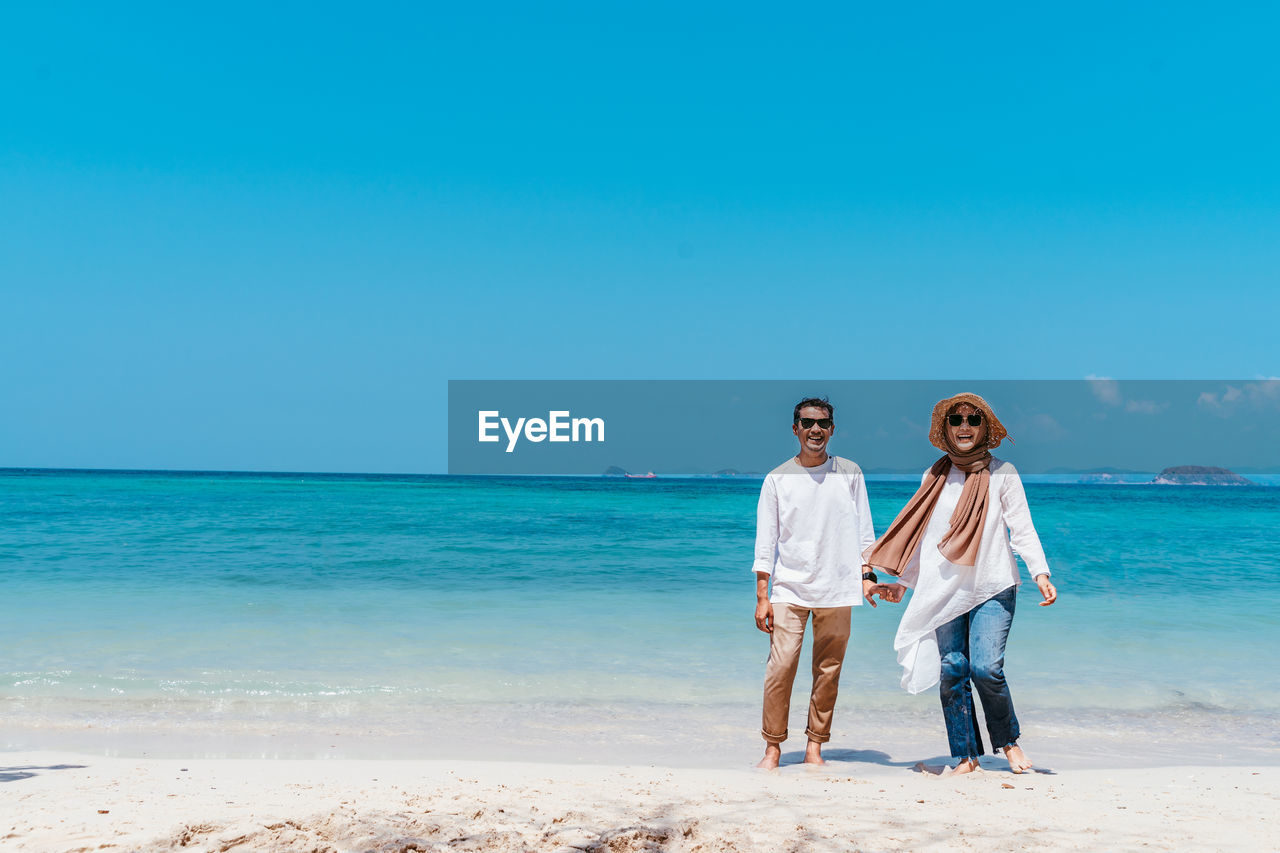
(815, 402)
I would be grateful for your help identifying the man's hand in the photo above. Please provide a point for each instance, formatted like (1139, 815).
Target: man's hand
(890, 592)
(764, 615)
(1047, 589)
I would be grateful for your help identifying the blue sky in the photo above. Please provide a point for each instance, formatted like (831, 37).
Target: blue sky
(264, 238)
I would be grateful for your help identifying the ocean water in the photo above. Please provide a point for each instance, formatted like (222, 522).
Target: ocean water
(579, 618)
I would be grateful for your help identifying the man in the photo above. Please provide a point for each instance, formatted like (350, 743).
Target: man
(812, 525)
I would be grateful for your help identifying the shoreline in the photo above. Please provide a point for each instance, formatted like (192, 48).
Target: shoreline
(672, 735)
(71, 801)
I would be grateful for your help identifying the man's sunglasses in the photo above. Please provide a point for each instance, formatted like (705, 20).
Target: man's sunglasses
(807, 423)
(956, 420)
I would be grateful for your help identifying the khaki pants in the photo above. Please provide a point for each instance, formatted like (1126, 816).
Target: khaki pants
(830, 636)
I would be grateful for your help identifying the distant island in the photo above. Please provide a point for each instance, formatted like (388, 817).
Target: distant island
(1177, 475)
(1107, 470)
(1199, 475)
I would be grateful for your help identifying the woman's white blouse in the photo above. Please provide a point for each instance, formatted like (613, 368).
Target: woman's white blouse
(942, 590)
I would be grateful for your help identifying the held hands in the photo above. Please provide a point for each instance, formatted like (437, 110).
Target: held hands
(890, 592)
(1047, 589)
(764, 615)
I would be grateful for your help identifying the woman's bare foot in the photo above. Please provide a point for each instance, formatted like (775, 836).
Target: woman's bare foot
(1018, 761)
(813, 754)
(967, 765)
(772, 755)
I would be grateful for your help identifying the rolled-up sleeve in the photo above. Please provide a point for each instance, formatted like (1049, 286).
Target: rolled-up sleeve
(766, 528)
(1022, 533)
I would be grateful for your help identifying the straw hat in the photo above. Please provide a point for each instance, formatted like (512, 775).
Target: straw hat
(995, 430)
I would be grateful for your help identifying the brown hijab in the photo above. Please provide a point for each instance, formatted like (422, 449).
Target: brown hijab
(893, 551)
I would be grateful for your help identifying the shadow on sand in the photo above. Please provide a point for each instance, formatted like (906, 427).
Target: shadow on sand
(932, 765)
(14, 774)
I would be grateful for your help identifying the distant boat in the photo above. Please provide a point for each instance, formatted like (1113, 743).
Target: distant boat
(649, 476)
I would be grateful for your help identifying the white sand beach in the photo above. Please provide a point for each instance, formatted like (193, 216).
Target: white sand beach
(73, 802)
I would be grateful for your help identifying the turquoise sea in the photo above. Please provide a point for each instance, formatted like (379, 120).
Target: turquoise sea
(588, 619)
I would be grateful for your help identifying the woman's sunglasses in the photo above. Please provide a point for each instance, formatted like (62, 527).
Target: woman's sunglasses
(956, 420)
(825, 423)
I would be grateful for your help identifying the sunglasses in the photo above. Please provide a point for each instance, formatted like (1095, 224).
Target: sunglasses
(956, 420)
(825, 423)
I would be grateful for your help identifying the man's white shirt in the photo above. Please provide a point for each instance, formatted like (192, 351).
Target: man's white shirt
(812, 525)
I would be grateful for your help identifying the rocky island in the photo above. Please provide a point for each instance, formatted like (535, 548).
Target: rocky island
(1199, 475)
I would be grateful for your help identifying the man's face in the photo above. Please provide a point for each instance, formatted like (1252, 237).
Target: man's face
(813, 438)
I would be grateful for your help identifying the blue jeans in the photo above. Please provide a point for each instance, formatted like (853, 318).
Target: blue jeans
(972, 649)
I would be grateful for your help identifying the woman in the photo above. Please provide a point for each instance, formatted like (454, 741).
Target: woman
(949, 545)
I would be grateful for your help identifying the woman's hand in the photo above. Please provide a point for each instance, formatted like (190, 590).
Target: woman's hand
(1047, 589)
(890, 592)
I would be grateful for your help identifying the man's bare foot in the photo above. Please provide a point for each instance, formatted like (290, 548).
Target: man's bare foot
(968, 765)
(1018, 761)
(813, 754)
(772, 755)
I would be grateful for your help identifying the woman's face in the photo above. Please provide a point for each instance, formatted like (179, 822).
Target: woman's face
(966, 437)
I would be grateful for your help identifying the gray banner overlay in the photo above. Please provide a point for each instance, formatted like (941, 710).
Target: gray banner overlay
(743, 427)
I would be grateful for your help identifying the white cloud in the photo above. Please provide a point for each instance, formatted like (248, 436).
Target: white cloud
(1209, 400)
(1267, 390)
(1251, 395)
(1106, 390)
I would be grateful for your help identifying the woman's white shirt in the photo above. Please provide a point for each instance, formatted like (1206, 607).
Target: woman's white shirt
(942, 590)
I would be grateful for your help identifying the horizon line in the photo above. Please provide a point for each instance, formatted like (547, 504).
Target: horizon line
(871, 472)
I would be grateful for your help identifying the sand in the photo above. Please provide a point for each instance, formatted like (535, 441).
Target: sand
(62, 801)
